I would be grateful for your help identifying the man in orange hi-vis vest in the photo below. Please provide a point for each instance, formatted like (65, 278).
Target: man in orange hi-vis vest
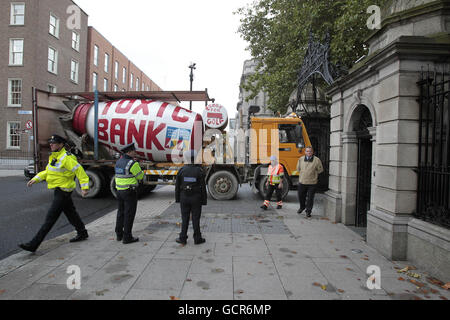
(274, 183)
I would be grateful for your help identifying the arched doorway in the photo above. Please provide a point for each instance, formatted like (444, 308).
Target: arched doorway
(362, 121)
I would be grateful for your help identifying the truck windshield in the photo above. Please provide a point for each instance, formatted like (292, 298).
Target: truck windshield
(291, 133)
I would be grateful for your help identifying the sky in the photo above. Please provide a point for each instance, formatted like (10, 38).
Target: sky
(164, 37)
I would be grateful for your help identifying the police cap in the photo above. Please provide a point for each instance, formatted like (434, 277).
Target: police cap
(128, 148)
(56, 139)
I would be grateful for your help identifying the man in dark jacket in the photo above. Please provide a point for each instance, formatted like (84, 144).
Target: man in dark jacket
(190, 192)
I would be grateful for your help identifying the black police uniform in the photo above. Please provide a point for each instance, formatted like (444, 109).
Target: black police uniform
(127, 200)
(190, 192)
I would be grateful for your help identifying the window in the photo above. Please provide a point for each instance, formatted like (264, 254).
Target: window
(106, 62)
(16, 52)
(124, 74)
(116, 70)
(105, 85)
(137, 84)
(75, 41)
(17, 14)
(15, 92)
(51, 88)
(290, 133)
(54, 26)
(116, 88)
(94, 81)
(95, 56)
(131, 81)
(148, 89)
(74, 71)
(143, 86)
(13, 139)
(52, 60)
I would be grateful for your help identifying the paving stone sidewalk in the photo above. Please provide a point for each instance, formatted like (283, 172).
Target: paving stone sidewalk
(249, 254)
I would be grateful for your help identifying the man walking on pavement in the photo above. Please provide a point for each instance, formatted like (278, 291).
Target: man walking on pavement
(128, 173)
(190, 192)
(274, 182)
(60, 175)
(309, 168)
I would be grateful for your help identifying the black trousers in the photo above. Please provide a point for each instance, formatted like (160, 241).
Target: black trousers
(190, 203)
(270, 191)
(127, 205)
(62, 202)
(306, 193)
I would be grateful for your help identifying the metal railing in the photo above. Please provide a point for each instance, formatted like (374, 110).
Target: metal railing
(433, 192)
(15, 159)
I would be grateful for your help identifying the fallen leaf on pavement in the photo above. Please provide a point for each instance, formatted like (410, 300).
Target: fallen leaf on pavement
(435, 281)
(446, 286)
(324, 287)
(424, 291)
(411, 268)
(349, 269)
(417, 283)
(414, 275)
(174, 298)
(331, 241)
(337, 249)
(367, 259)
(344, 257)
(340, 291)
(240, 291)
(443, 298)
(51, 276)
(417, 298)
(325, 219)
(434, 291)
(188, 279)
(401, 279)
(317, 284)
(260, 262)
(2, 291)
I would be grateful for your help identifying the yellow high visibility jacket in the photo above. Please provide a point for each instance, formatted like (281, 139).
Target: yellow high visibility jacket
(128, 173)
(61, 171)
(275, 174)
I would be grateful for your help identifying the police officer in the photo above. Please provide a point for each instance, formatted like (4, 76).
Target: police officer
(128, 173)
(190, 192)
(60, 175)
(274, 182)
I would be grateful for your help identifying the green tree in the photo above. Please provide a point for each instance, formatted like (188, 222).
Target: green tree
(277, 32)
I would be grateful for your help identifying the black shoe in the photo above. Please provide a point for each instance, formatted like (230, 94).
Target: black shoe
(119, 237)
(300, 210)
(308, 214)
(178, 240)
(264, 207)
(131, 240)
(27, 247)
(279, 207)
(80, 237)
(200, 241)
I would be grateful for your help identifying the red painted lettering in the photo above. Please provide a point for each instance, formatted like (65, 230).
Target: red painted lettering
(176, 117)
(106, 108)
(103, 129)
(118, 129)
(134, 133)
(162, 109)
(152, 133)
(143, 107)
(121, 110)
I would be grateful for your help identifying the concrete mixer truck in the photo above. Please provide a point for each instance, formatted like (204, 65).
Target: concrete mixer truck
(98, 124)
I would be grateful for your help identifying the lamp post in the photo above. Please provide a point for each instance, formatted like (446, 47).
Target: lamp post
(192, 67)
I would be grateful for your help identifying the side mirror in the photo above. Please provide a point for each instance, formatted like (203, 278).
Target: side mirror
(300, 145)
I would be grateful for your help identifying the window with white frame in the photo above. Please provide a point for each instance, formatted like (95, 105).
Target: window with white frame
(106, 62)
(116, 88)
(116, 70)
(105, 84)
(17, 14)
(131, 81)
(13, 135)
(53, 28)
(124, 75)
(52, 60)
(148, 89)
(75, 41)
(95, 56)
(16, 52)
(74, 71)
(51, 88)
(137, 83)
(15, 92)
(94, 81)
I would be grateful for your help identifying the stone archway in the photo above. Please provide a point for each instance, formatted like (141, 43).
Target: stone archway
(358, 164)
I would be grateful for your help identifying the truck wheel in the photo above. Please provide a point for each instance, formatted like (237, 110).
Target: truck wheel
(223, 185)
(96, 184)
(263, 188)
(112, 187)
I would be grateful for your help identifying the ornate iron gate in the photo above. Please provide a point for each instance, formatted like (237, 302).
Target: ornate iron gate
(433, 191)
(364, 181)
